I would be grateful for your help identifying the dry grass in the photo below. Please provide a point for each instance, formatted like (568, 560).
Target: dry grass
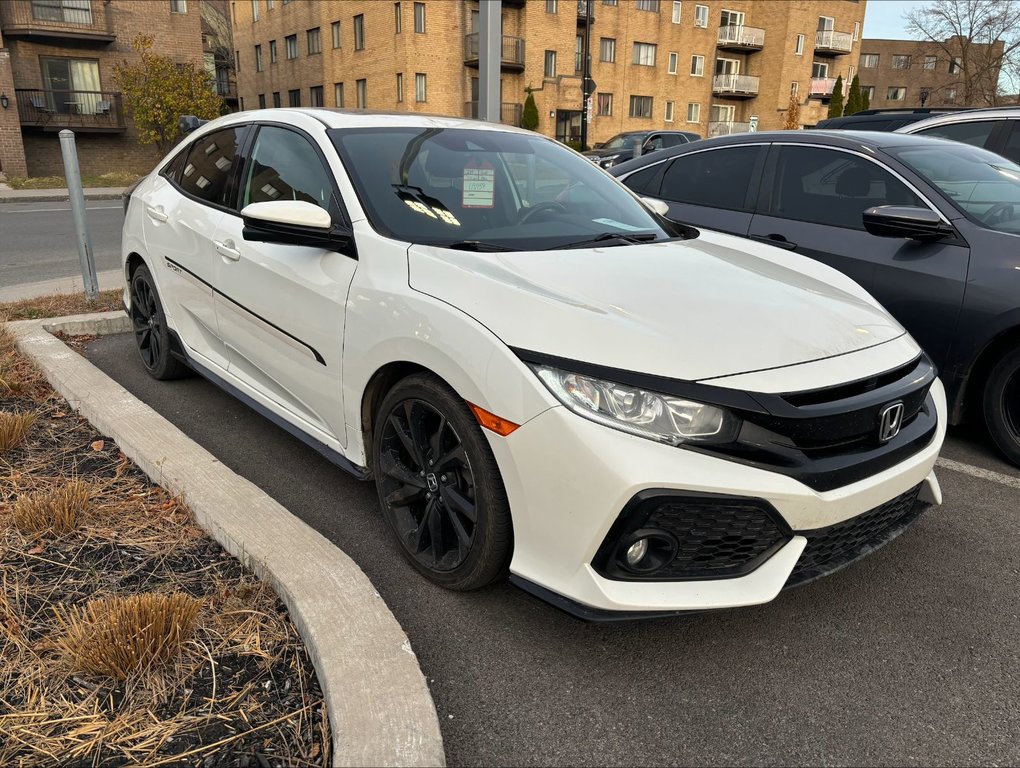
(112, 179)
(14, 428)
(60, 305)
(120, 636)
(55, 511)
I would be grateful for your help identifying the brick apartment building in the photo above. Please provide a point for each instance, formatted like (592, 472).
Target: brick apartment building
(704, 66)
(56, 71)
(914, 73)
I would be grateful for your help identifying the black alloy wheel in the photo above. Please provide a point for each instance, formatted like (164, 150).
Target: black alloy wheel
(152, 337)
(1002, 405)
(439, 487)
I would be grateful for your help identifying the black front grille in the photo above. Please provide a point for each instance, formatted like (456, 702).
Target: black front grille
(829, 549)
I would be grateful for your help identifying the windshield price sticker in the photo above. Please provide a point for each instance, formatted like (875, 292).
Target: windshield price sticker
(479, 186)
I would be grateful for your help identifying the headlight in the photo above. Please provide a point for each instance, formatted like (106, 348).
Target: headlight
(664, 418)
(609, 162)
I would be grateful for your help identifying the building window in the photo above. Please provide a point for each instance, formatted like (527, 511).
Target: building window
(254, 10)
(550, 6)
(335, 29)
(276, 99)
(419, 18)
(677, 8)
(290, 43)
(857, 30)
(869, 91)
(362, 87)
(701, 15)
(359, 32)
(950, 95)
(315, 98)
(400, 87)
(640, 106)
(605, 105)
(896, 93)
(869, 60)
(609, 2)
(607, 49)
(693, 112)
(177, 6)
(673, 60)
(294, 97)
(819, 69)
(314, 41)
(579, 54)
(956, 65)
(900, 61)
(258, 58)
(930, 62)
(550, 63)
(669, 111)
(697, 66)
(647, 5)
(397, 25)
(644, 54)
(272, 51)
(420, 87)
(262, 101)
(338, 94)
(270, 4)
(794, 88)
(237, 61)
(798, 46)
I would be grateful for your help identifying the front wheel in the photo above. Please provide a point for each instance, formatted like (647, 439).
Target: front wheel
(439, 487)
(1002, 405)
(148, 322)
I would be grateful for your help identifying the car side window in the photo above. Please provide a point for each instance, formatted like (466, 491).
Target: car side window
(825, 186)
(655, 143)
(207, 172)
(1011, 149)
(640, 181)
(718, 178)
(285, 166)
(975, 133)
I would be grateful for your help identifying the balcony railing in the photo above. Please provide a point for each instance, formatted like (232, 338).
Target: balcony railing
(509, 113)
(735, 85)
(95, 111)
(511, 53)
(58, 19)
(821, 87)
(741, 38)
(828, 41)
(726, 127)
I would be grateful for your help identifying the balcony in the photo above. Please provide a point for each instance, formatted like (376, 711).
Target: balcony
(584, 6)
(511, 54)
(821, 87)
(832, 43)
(509, 113)
(81, 111)
(57, 20)
(735, 86)
(740, 38)
(726, 127)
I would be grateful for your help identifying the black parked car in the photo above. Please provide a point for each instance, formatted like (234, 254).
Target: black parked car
(623, 146)
(883, 119)
(929, 227)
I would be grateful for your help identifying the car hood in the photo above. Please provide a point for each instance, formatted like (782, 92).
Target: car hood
(695, 309)
(607, 152)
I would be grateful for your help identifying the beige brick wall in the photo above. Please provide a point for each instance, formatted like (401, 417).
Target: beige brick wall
(12, 151)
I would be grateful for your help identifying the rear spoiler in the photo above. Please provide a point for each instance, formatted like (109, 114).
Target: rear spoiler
(188, 123)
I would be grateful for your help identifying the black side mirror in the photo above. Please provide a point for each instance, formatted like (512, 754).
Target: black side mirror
(906, 221)
(293, 222)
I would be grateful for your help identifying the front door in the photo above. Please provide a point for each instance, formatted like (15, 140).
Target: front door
(568, 125)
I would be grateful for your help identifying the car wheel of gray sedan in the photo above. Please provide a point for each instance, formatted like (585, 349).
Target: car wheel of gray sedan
(1002, 405)
(439, 487)
(148, 322)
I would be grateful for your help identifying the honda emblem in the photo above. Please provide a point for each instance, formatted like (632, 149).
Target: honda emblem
(889, 422)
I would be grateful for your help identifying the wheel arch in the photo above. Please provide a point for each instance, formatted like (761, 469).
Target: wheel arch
(969, 400)
(381, 382)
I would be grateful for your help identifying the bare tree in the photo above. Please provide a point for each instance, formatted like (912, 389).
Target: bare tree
(979, 37)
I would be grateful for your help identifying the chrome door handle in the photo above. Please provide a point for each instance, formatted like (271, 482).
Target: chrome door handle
(157, 213)
(226, 248)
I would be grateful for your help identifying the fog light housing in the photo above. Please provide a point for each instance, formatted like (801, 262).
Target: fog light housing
(646, 551)
(636, 552)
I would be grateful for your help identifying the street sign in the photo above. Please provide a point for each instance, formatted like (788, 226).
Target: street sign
(752, 124)
(589, 87)
(588, 109)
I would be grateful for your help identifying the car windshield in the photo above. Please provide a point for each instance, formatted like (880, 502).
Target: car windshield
(983, 185)
(624, 141)
(479, 189)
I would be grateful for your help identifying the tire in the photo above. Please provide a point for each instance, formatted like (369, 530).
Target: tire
(1002, 405)
(427, 505)
(148, 322)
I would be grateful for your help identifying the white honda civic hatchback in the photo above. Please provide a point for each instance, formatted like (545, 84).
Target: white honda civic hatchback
(541, 375)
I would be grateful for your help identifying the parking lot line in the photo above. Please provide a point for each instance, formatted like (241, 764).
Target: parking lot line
(984, 474)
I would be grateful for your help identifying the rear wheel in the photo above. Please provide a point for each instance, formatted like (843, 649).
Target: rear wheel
(1002, 405)
(439, 487)
(148, 322)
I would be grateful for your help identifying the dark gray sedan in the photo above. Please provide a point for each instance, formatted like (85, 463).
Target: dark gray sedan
(930, 227)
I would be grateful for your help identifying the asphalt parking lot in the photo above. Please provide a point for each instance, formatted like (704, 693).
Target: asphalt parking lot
(908, 657)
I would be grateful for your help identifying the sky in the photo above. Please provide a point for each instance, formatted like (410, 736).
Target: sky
(883, 19)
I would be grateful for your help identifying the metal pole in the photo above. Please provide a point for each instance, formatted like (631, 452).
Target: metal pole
(585, 74)
(81, 224)
(490, 46)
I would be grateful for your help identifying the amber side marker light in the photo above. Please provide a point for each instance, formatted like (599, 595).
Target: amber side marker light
(492, 422)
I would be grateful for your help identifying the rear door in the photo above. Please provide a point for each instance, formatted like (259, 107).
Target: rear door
(813, 205)
(978, 133)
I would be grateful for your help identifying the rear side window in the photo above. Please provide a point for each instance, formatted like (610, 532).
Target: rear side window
(1012, 148)
(207, 172)
(718, 178)
(172, 170)
(975, 133)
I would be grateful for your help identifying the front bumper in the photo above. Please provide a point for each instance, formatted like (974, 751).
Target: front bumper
(568, 479)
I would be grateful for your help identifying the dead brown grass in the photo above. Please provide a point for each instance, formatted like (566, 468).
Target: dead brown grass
(55, 511)
(60, 305)
(14, 427)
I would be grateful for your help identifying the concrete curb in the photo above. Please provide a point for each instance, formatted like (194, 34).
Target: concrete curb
(379, 705)
(57, 195)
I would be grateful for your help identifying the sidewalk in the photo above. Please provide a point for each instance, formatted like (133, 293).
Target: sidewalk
(71, 284)
(8, 195)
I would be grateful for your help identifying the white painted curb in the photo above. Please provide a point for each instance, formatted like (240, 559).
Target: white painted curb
(380, 709)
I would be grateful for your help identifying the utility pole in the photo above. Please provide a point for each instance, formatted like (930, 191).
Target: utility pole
(587, 84)
(490, 54)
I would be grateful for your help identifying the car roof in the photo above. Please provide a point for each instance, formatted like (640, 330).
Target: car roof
(987, 113)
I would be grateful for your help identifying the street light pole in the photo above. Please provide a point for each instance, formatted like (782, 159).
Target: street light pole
(585, 74)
